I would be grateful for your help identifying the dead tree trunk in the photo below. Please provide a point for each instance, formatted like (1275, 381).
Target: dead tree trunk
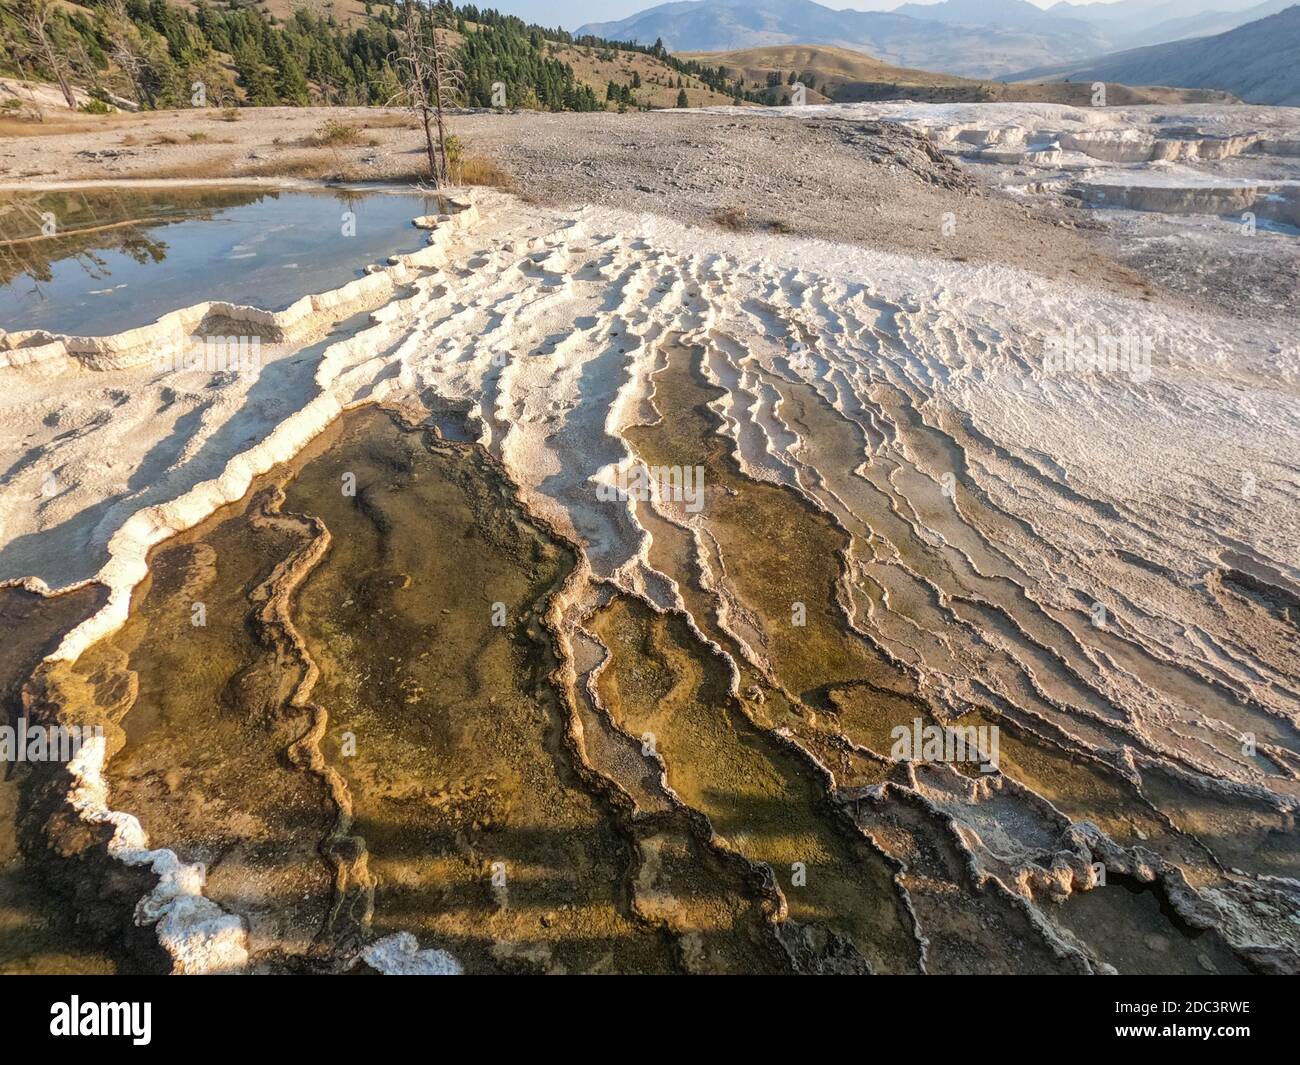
(444, 164)
(34, 16)
(430, 83)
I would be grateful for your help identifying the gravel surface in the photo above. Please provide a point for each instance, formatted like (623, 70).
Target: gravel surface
(872, 183)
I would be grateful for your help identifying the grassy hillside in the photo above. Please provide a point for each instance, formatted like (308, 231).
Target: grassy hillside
(342, 52)
(836, 66)
(338, 52)
(344, 11)
(846, 76)
(597, 66)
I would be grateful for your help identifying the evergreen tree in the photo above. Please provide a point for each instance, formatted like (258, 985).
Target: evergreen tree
(153, 50)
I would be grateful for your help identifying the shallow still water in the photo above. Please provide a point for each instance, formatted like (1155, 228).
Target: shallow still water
(121, 259)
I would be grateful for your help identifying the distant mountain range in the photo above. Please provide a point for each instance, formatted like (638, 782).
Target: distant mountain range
(971, 50)
(1134, 23)
(1259, 62)
(1008, 14)
(973, 38)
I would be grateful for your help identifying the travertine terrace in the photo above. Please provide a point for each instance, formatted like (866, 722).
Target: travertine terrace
(875, 496)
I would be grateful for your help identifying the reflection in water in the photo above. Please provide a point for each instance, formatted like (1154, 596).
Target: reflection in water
(37, 231)
(85, 262)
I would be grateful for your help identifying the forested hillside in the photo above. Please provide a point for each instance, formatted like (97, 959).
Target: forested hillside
(153, 52)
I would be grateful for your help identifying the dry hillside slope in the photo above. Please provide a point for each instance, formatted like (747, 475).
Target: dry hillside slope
(847, 76)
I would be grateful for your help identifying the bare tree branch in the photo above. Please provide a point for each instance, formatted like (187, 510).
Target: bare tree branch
(431, 82)
(126, 49)
(34, 17)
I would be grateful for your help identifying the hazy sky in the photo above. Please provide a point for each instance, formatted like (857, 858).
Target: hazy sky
(570, 14)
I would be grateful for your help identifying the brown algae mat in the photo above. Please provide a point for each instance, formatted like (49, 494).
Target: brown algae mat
(37, 935)
(345, 695)
(354, 725)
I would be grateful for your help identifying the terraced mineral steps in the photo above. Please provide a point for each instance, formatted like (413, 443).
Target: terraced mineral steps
(334, 790)
(763, 801)
(864, 709)
(427, 619)
(686, 728)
